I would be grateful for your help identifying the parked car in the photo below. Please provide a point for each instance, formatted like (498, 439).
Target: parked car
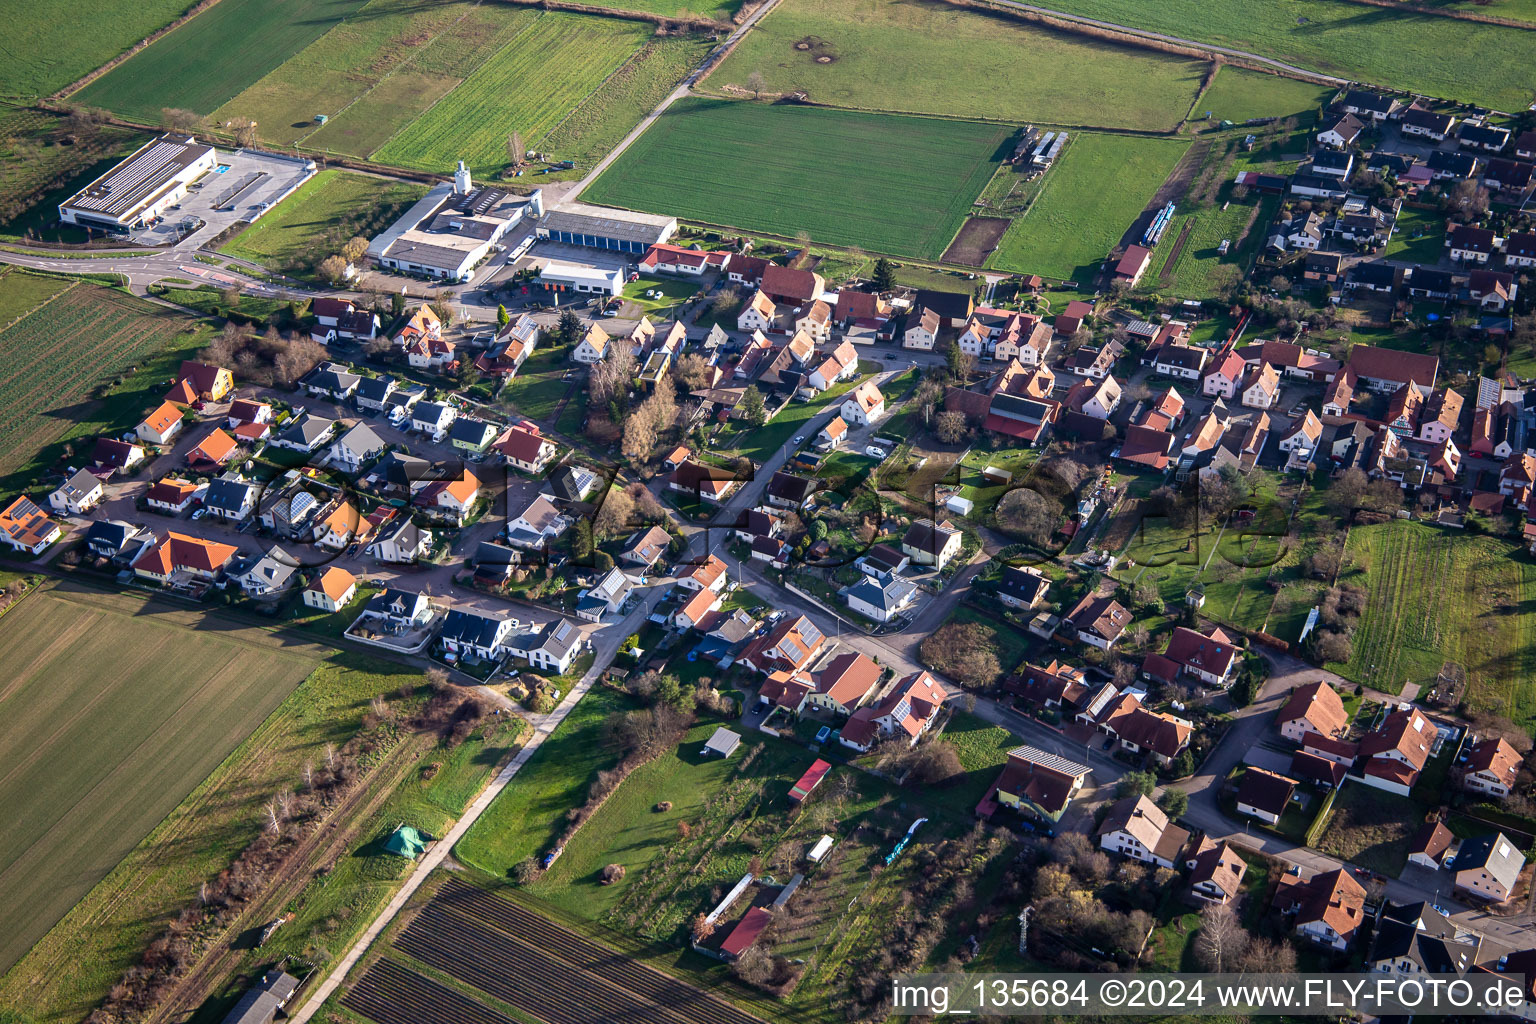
(874, 452)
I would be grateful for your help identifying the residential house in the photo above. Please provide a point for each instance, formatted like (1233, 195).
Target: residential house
(1035, 783)
(400, 541)
(1264, 794)
(1323, 267)
(930, 543)
(1492, 290)
(536, 525)
(78, 494)
(24, 526)
(179, 556)
(472, 635)
(331, 380)
(110, 453)
(1341, 133)
(331, 590)
(170, 495)
(1520, 249)
(833, 434)
(1312, 709)
(1386, 369)
(270, 575)
(1318, 186)
(1069, 320)
(921, 331)
(606, 596)
(525, 448)
(1469, 244)
(1491, 768)
(1416, 939)
(705, 482)
(864, 406)
(1328, 908)
(338, 526)
(747, 270)
(1332, 164)
(356, 448)
(698, 608)
(1146, 446)
(1424, 283)
(906, 711)
(1098, 621)
(161, 425)
(1160, 736)
(1260, 389)
(117, 540)
(785, 490)
(1508, 175)
(1022, 587)
(791, 646)
(551, 648)
(1224, 375)
(305, 434)
(593, 346)
(510, 348)
(245, 410)
(841, 364)
(1479, 135)
(1369, 106)
(791, 286)
(880, 599)
(759, 314)
(1138, 829)
(229, 498)
(1302, 440)
(1177, 359)
(1096, 398)
(291, 511)
(1447, 166)
(645, 548)
(1131, 265)
(1395, 753)
(846, 683)
(209, 383)
(815, 322)
(1210, 659)
(1487, 867)
(433, 419)
(1426, 123)
(1216, 871)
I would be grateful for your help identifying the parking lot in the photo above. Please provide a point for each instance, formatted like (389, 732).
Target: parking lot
(242, 186)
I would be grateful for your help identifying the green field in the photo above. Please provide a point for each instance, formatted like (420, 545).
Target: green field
(214, 56)
(1437, 596)
(20, 293)
(332, 207)
(51, 43)
(1200, 271)
(58, 356)
(929, 57)
(860, 179)
(568, 55)
(1418, 237)
(1091, 196)
(96, 757)
(372, 74)
(1399, 49)
(1238, 95)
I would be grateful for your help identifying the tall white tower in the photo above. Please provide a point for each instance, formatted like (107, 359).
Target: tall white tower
(461, 179)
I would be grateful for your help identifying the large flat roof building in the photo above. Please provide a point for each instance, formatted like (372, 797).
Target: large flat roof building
(142, 187)
(601, 227)
(568, 277)
(451, 229)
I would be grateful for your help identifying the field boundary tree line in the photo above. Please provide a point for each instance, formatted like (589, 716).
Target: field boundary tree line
(1131, 37)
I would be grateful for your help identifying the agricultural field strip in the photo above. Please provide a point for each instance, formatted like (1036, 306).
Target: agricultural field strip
(468, 901)
(391, 994)
(49, 288)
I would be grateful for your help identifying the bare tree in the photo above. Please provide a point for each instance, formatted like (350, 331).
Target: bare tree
(274, 823)
(755, 83)
(615, 516)
(245, 132)
(950, 427)
(178, 119)
(1221, 940)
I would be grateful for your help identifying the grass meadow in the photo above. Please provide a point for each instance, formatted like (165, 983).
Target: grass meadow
(1436, 596)
(61, 355)
(568, 55)
(1080, 216)
(1401, 49)
(51, 43)
(1238, 95)
(110, 718)
(1200, 271)
(929, 57)
(331, 207)
(214, 56)
(860, 179)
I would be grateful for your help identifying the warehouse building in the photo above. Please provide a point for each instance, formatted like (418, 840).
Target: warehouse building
(452, 229)
(599, 227)
(569, 277)
(142, 187)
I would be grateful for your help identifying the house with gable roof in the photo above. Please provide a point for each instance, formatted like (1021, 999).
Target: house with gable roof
(906, 710)
(1138, 829)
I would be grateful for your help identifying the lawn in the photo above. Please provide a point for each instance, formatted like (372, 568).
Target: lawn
(568, 55)
(1418, 237)
(1400, 49)
(95, 761)
(21, 293)
(51, 43)
(314, 223)
(878, 55)
(759, 443)
(193, 68)
(1200, 271)
(674, 293)
(852, 171)
(1097, 188)
(59, 358)
(1436, 596)
(983, 750)
(1238, 95)
(1371, 828)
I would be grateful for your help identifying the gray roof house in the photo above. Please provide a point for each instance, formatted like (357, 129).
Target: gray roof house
(332, 379)
(1488, 866)
(373, 392)
(356, 446)
(606, 597)
(881, 599)
(305, 433)
(261, 1002)
(551, 647)
(271, 574)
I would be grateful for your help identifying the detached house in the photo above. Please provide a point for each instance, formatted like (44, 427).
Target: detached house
(1397, 751)
(356, 448)
(170, 495)
(757, 315)
(1210, 659)
(433, 419)
(1328, 909)
(1342, 133)
(1491, 768)
(401, 541)
(1098, 621)
(305, 434)
(865, 405)
(179, 556)
(78, 494)
(161, 425)
(930, 543)
(792, 645)
(1138, 829)
(468, 634)
(525, 448)
(26, 527)
(1418, 121)
(1313, 709)
(922, 330)
(593, 346)
(1264, 794)
(331, 590)
(1215, 872)
(1487, 867)
(1470, 244)
(906, 711)
(1261, 387)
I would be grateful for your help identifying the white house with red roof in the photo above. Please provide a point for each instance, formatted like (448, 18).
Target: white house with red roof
(791, 646)
(1224, 375)
(525, 448)
(907, 710)
(864, 406)
(846, 683)
(678, 261)
(1210, 659)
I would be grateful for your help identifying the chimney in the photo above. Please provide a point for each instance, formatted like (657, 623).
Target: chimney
(461, 181)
